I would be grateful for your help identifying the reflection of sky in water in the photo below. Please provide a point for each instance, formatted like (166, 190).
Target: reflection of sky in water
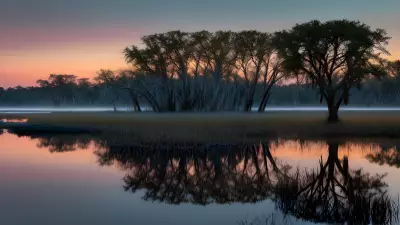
(39, 187)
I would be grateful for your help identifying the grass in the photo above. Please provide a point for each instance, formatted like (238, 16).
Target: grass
(229, 125)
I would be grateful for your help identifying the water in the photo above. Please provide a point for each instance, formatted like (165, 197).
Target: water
(12, 110)
(48, 179)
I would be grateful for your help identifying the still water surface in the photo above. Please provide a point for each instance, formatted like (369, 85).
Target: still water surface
(86, 180)
(128, 108)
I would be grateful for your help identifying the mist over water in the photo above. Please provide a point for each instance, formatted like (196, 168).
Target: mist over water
(128, 109)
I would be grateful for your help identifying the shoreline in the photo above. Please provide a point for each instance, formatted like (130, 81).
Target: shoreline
(213, 126)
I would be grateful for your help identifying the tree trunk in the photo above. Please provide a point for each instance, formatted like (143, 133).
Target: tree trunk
(264, 99)
(213, 103)
(136, 105)
(248, 104)
(333, 111)
(115, 107)
(263, 103)
(135, 101)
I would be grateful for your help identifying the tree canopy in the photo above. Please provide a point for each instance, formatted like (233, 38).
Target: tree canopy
(206, 71)
(334, 56)
(237, 71)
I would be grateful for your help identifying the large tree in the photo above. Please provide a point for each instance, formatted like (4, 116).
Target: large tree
(188, 71)
(61, 87)
(166, 56)
(112, 82)
(87, 91)
(335, 56)
(258, 64)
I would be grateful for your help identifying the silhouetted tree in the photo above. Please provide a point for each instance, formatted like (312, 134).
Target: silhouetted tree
(335, 56)
(86, 91)
(61, 86)
(221, 64)
(1, 91)
(233, 71)
(126, 80)
(258, 64)
(157, 58)
(187, 71)
(394, 68)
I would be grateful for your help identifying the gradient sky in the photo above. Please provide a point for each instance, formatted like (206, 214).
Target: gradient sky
(82, 36)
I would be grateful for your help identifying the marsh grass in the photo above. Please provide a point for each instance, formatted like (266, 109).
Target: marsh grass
(270, 219)
(232, 126)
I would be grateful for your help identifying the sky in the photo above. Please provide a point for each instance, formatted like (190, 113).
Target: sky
(80, 37)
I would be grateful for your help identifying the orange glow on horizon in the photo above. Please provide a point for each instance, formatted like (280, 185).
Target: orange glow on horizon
(25, 69)
(82, 59)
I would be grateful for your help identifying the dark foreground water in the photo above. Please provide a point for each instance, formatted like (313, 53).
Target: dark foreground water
(47, 179)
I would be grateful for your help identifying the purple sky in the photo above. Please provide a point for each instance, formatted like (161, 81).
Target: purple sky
(82, 36)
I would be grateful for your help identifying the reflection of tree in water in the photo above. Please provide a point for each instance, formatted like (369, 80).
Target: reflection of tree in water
(58, 142)
(177, 173)
(198, 174)
(1, 131)
(240, 173)
(387, 154)
(64, 143)
(334, 193)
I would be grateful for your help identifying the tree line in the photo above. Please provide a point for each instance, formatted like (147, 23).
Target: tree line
(176, 71)
(375, 92)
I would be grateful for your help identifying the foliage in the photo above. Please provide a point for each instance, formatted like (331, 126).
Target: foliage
(236, 71)
(201, 71)
(334, 56)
